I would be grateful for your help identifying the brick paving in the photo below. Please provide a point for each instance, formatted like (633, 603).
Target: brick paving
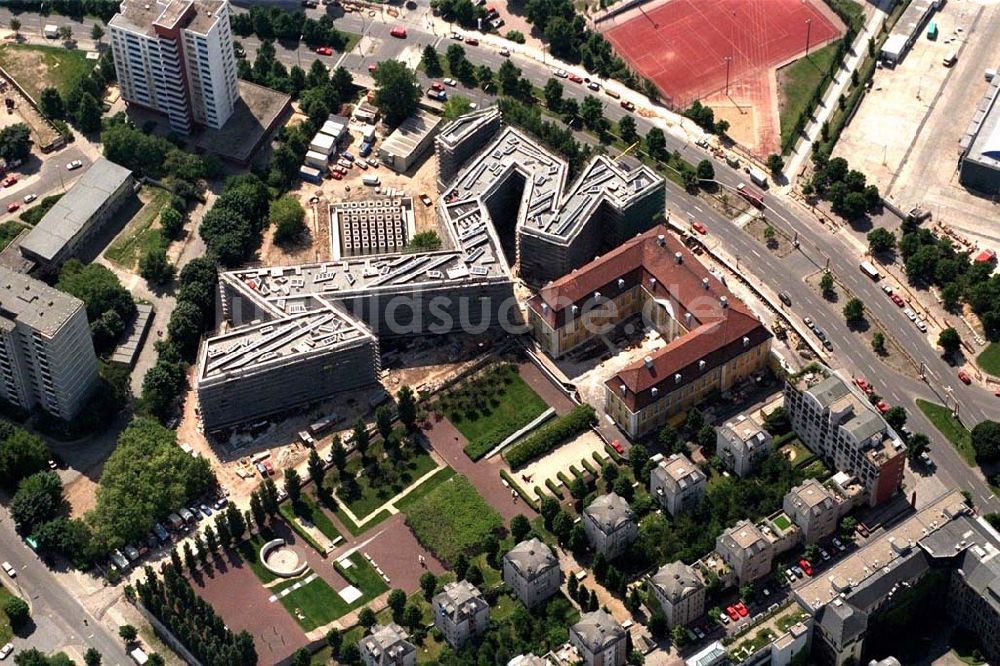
(395, 550)
(543, 386)
(243, 603)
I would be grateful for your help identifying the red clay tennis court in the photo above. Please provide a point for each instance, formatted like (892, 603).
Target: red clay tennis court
(681, 45)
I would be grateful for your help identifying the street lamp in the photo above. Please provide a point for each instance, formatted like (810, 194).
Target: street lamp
(809, 24)
(728, 59)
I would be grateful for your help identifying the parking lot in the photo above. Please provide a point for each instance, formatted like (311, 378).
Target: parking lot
(905, 135)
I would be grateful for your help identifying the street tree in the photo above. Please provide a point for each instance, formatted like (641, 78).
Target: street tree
(15, 142)
(878, 342)
(553, 94)
(854, 310)
(317, 471)
(293, 485)
(361, 438)
(128, 633)
(431, 62)
(15, 27)
(917, 444)
(92, 657)
(17, 611)
(37, 500)
(519, 527)
(826, 285)
(383, 422)
(627, 130)
(97, 33)
(396, 91)
(705, 171)
(949, 340)
(896, 417)
(656, 144)
(428, 583)
(986, 441)
(881, 240)
(775, 163)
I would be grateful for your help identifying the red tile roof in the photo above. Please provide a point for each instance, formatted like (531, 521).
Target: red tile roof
(716, 332)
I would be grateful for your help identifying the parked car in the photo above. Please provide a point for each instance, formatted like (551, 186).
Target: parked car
(574, 78)
(6, 650)
(9, 181)
(505, 52)
(9, 570)
(269, 467)
(617, 446)
(324, 51)
(205, 509)
(825, 555)
(450, 82)
(471, 41)
(723, 618)
(195, 512)
(910, 314)
(806, 566)
(882, 406)
(426, 200)
(13, 206)
(799, 572)
(75, 164)
(733, 614)
(840, 546)
(457, 37)
(887, 288)
(398, 32)
(260, 466)
(560, 73)
(808, 322)
(220, 503)
(741, 609)
(785, 297)
(593, 85)
(161, 533)
(437, 86)
(627, 105)
(895, 298)
(964, 376)
(862, 529)
(699, 227)
(611, 93)
(28, 198)
(864, 385)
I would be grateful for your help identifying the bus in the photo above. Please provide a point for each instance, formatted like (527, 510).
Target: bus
(753, 196)
(868, 268)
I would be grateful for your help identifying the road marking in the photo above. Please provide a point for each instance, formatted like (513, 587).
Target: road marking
(698, 208)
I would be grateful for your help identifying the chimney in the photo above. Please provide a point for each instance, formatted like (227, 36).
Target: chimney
(661, 240)
(652, 282)
(724, 302)
(654, 391)
(624, 389)
(621, 283)
(677, 378)
(746, 341)
(678, 257)
(597, 295)
(701, 365)
(545, 307)
(648, 361)
(574, 309)
(704, 283)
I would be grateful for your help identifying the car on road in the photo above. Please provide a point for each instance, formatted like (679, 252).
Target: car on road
(882, 406)
(617, 446)
(8, 569)
(505, 52)
(593, 85)
(897, 299)
(964, 376)
(785, 297)
(574, 78)
(28, 198)
(205, 509)
(471, 41)
(808, 322)
(612, 94)
(324, 50)
(74, 165)
(864, 385)
(741, 609)
(6, 650)
(9, 181)
(733, 614)
(699, 227)
(921, 326)
(457, 37)
(13, 206)
(372, 67)
(627, 105)
(399, 32)
(701, 143)
(560, 73)
(450, 82)
(910, 314)
(887, 288)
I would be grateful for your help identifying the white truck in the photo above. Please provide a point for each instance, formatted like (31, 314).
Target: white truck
(758, 177)
(51, 31)
(868, 268)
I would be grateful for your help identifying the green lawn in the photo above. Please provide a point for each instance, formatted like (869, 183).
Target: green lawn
(316, 602)
(453, 519)
(782, 522)
(362, 576)
(307, 509)
(951, 428)
(989, 359)
(797, 83)
(512, 407)
(249, 550)
(6, 633)
(38, 67)
(142, 233)
(9, 231)
(424, 488)
(366, 498)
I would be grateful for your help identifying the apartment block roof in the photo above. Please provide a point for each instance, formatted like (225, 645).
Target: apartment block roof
(531, 558)
(387, 643)
(811, 497)
(458, 129)
(34, 303)
(71, 214)
(597, 631)
(460, 599)
(744, 536)
(610, 512)
(256, 348)
(745, 431)
(678, 471)
(529, 660)
(676, 581)
(140, 16)
(718, 326)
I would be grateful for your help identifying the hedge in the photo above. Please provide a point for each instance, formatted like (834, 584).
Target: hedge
(551, 435)
(551, 485)
(528, 499)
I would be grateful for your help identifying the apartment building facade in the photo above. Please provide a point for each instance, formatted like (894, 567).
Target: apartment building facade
(47, 357)
(599, 639)
(460, 612)
(532, 571)
(610, 525)
(676, 483)
(742, 443)
(814, 508)
(176, 57)
(680, 592)
(746, 549)
(388, 645)
(840, 425)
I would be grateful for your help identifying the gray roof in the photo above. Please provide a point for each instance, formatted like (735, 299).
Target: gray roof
(598, 630)
(865, 425)
(35, 303)
(140, 15)
(888, 661)
(983, 135)
(71, 214)
(828, 391)
(460, 599)
(529, 660)
(531, 557)
(387, 643)
(411, 133)
(843, 621)
(462, 126)
(610, 512)
(676, 581)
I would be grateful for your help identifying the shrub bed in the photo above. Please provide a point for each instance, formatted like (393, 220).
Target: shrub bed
(551, 435)
(453, 519)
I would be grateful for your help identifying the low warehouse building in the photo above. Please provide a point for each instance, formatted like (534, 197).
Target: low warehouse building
(79, 214)
(980, 168)
(907, 30)
(410, 141)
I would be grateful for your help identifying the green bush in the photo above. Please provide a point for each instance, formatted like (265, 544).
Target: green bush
(551, 435)
(453, 519)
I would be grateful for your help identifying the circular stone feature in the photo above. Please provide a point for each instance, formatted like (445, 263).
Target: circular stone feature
(282, 560)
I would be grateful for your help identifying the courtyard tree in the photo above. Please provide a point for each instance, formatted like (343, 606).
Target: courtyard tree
(383, 422)
(406, 407)
(361, 438)
(317, 471)
(396, 91)
(397, 602)
(155, 268)
(519, 527)
(37, 500)
(288, 217)
(366, 618)
(428, 583)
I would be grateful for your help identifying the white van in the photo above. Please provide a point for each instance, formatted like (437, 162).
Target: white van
(950, 59)
(370, 181)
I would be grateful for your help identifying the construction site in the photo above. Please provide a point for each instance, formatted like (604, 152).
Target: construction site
(329, 317)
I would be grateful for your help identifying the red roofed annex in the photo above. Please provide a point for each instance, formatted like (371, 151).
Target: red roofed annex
(713, 339)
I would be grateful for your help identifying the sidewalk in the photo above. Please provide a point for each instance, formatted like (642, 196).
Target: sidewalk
(841, 80)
